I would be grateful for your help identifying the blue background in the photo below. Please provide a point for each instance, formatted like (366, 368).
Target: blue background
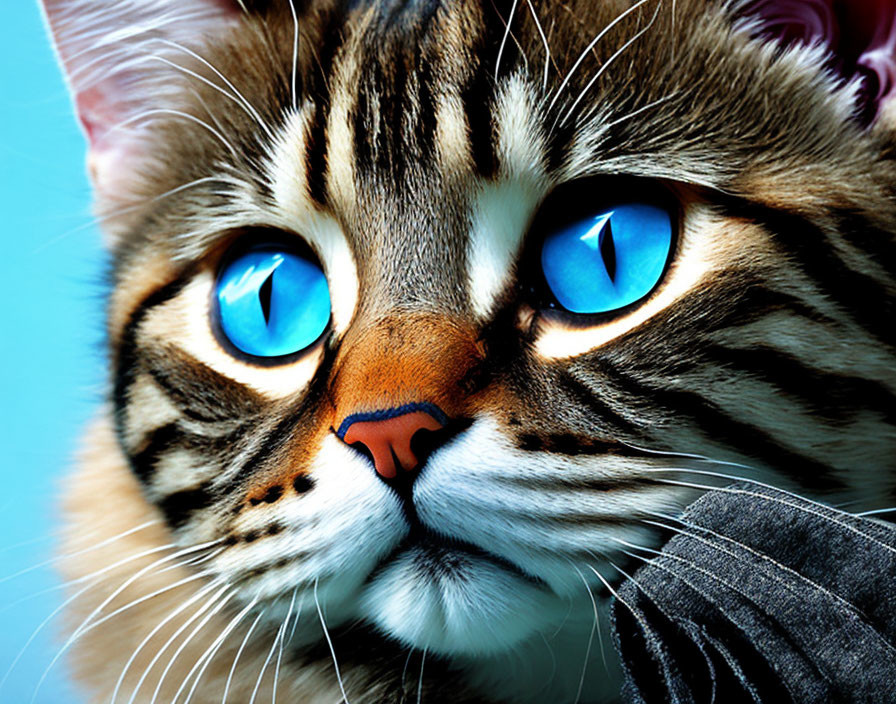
(51, 354)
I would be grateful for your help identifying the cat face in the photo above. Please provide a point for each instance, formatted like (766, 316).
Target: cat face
(458, 442)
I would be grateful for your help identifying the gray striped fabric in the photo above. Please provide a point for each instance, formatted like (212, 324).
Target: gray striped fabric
(762, 596)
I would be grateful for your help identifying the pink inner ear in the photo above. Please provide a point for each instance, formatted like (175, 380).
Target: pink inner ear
(806, 21)
(879, 58)
(95, 114)
(860, 34)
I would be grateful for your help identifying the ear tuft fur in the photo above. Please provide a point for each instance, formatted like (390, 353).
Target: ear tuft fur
(113, 53)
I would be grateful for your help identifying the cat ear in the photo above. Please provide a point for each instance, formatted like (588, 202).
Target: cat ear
(113, 55)
(859, 36)
(875, 21)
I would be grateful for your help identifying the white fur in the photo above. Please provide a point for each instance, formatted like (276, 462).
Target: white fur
(470, 608)
(501, 210)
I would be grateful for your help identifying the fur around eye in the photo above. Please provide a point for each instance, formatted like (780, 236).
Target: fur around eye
(608, 260)
(272, 302)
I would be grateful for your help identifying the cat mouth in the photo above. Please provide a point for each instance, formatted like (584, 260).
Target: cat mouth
(451, 597)
(437, 556)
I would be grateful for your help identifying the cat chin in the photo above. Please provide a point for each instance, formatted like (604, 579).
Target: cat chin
(456, 603)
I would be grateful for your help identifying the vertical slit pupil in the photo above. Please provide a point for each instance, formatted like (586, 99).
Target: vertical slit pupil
(608, 250)
(264, 297)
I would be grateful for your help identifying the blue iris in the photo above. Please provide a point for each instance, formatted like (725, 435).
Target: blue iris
(608, 260)
(272, 302)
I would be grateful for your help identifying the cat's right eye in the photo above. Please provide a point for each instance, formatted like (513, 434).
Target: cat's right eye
(272, 301)
(599, 247)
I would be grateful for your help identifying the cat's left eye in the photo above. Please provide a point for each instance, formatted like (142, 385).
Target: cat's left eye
(609, 258)
(272, 301)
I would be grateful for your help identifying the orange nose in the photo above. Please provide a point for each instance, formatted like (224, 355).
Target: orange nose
(387, 434)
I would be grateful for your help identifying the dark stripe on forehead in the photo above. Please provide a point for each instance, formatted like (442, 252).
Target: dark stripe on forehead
(360, 130)
(391, 150)
(332, 37)
(396, 83)
(478, 91)
(477, 96)
(428, 113)
(316, 155)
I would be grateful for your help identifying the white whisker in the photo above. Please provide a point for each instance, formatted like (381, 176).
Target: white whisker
(875, 512)
(222, 597)
(203, 662)
(147, 597)
(323, 624)
(621, 50)
(83, 551)
(404, 670)
(588, 49)
(295, 55)
(544, 41)
(743, 546)
(595, 628)
(635, 113)
(158, 627)
(236, 95)
(504, 39)
(420, 682)
(763, 497)
(177, 113)
(622, 601)
(295, 622)
(267, 661)
(83, 627)
(282, 637)
(40, 628)
(236, 658)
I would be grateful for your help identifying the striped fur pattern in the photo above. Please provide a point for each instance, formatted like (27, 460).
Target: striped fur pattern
(411, 145)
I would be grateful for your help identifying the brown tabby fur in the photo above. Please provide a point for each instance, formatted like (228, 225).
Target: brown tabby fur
(742, 123)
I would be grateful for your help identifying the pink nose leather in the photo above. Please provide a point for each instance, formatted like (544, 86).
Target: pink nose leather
(389, 441)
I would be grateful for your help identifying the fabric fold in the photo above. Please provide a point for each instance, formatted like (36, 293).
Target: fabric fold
(762, 596)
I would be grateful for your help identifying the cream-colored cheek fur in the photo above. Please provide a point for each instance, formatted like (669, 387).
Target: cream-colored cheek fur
(101, 501)
(185, 323)
(706, 245)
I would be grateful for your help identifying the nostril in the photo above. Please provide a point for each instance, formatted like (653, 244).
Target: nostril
(425, 442)
(362, 448)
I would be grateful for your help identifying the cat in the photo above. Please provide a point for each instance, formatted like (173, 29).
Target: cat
(423, 314)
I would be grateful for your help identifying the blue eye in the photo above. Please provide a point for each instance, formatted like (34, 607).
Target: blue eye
(272, 302)
(608, 260)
